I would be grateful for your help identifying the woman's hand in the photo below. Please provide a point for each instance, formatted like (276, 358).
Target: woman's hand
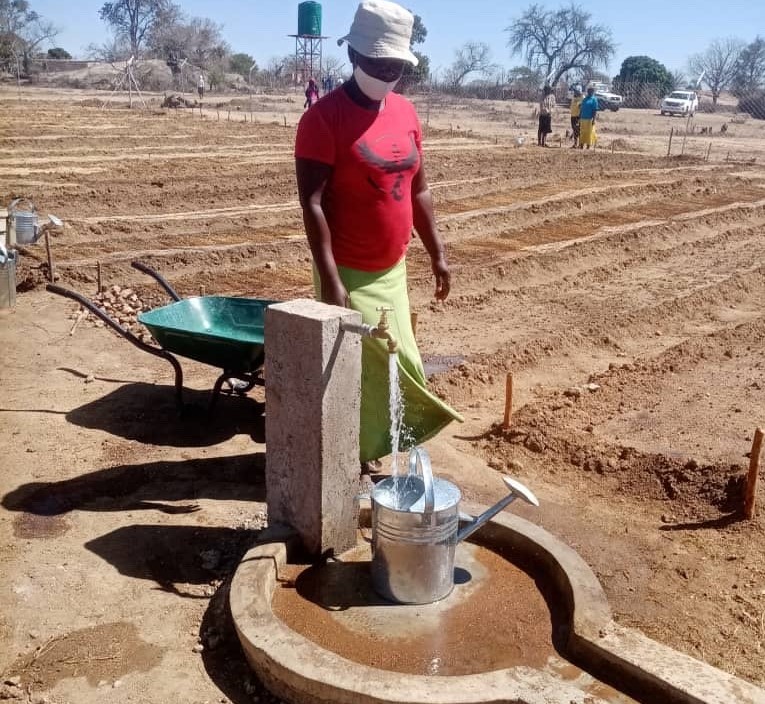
(443, 278)
(335, 294)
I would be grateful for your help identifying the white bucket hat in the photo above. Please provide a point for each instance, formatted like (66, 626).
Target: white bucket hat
(381, 30)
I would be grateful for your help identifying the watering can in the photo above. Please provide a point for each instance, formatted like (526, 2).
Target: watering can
(7, 277)
(415, 531)
(21, 224)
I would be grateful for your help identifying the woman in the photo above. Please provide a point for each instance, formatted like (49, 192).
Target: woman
(362, 188)
(546, 107)
(311, 94)
(587, 112)
(576, 104)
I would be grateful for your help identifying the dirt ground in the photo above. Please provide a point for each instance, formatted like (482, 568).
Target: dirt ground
(622, 289)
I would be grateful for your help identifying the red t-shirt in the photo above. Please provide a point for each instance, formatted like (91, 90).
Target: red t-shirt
(375, 156)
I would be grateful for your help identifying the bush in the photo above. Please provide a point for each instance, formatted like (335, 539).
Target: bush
(754, 105)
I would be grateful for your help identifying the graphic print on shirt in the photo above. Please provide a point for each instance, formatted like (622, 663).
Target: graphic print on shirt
(387, 156)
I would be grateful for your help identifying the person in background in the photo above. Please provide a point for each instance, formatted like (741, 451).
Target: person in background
(362, 188)
(576, 103)
(587, 112)
(201, 86)
(311, 94)
(546, 107)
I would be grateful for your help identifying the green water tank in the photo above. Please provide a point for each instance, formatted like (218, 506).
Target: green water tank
(309, 19)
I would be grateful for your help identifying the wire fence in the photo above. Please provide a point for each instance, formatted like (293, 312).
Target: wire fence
(632, 95)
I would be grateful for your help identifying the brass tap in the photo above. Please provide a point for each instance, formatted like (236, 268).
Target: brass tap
(382, 332)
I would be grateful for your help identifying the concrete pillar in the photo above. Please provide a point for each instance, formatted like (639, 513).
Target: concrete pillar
(313, 401)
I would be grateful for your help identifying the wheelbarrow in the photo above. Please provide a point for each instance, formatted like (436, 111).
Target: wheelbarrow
(224, 332)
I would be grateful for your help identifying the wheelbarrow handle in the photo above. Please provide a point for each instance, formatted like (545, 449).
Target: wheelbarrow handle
(157, 277)
(114, 325)
(93, 308)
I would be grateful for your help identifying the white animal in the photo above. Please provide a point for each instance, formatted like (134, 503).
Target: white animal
(519, 141)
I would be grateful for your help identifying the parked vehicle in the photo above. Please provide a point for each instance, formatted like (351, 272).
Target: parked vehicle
(680, 102)
(607, 100)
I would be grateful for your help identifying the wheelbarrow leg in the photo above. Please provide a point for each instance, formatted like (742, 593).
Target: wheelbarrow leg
(249, 381)
(216, 392)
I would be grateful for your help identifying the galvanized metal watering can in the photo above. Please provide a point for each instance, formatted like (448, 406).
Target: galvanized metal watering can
(415, 531)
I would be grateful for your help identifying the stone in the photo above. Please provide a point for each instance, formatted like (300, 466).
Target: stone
(89, 379)
(313, 387)
(534, 442)
(573, 392)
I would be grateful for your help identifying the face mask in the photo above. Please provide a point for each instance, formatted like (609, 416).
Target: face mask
(373, 88)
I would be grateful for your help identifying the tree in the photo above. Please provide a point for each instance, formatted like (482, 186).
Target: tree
(199, 40)
(332, 66)
(112, 50)
(558, 41)
(22, 30)
(749, 71)
(523, 83)
(58, 53)
(419, 32)
(473, 57)
(243, 64)
(717, 65)
(414, 75)
(678, 79)
(135, 19)
(644, 70)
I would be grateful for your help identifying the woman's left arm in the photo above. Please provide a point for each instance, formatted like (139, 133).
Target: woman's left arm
(425, 224)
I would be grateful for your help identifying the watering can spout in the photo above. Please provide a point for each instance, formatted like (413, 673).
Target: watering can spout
(517, 490)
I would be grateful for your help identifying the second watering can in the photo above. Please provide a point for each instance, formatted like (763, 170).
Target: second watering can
(415, 531)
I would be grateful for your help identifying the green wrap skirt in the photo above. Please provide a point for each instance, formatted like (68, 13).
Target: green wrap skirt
(424, 414)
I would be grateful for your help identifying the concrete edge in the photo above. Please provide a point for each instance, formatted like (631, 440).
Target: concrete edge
(611, 652)
(666, 674)
(298, 670)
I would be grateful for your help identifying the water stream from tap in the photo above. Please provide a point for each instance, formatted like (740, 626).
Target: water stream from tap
(396, 407)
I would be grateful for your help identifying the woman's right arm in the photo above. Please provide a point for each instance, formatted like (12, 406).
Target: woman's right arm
(312, 177)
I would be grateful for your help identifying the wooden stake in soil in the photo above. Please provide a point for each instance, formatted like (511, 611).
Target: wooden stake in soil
(98, 277)
(508, 400)
(750, 495)
(413, 318)
(50, 258)
(669, 146)
(709, 149)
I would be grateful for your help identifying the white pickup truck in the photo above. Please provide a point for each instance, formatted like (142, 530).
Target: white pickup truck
(606, 99)
(680, 102)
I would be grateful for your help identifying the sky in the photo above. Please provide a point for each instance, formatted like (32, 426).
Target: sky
(666, 30)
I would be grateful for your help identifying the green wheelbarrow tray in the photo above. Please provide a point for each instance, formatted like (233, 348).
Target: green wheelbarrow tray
(220, 331)
(224, 332)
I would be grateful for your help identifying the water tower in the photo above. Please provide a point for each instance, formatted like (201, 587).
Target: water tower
(308, 42)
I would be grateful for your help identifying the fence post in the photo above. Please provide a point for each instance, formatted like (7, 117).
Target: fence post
(669, 146)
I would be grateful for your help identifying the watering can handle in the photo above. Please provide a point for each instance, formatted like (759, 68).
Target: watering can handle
(419, 463)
